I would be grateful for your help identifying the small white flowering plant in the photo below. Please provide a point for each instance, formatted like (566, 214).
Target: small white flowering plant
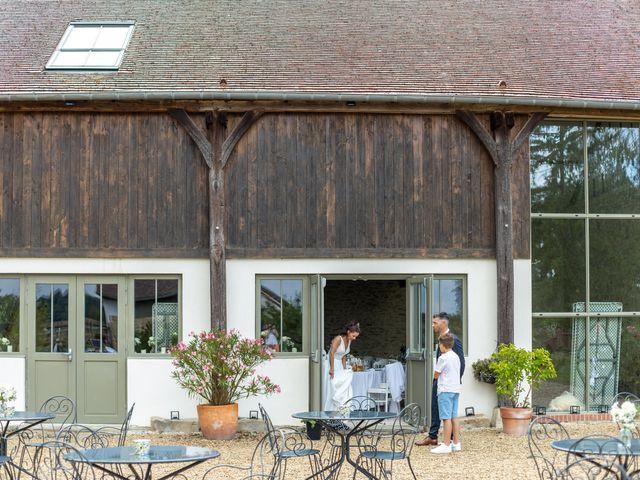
(4, 341)
(625, 414)
(7, 396)
(287, 343)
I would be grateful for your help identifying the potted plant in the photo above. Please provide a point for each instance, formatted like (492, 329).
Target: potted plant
(314, 429)
(517, 372)
(482, 370)
(220, 368)
(7, 396)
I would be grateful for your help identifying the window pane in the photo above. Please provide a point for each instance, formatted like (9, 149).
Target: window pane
(145, 294)
(447, 297)
(81, 37)
(112, 37)
(560, 338)
(103, 59)
(281, 314)
(101, 318)
(69, 59)
(614, 168)
(558, 264)
(270, 313)
(52, 317)
(166, 315)
(92, 318)
(614, 262)
(109, 318)
(629, 377)
(10, 313)
(291, 316)
(557, 168)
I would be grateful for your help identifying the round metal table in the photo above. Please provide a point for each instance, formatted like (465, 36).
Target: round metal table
(158, 454)
(601, 447)
(26, 420)
(362, 420)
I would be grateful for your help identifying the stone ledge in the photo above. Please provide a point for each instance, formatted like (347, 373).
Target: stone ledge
(190, 425)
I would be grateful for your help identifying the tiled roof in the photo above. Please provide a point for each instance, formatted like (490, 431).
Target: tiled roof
(568, 49)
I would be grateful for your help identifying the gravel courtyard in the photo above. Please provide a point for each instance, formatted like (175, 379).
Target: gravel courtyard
(487, 454)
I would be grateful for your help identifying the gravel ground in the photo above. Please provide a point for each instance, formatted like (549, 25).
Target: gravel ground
(487, 454)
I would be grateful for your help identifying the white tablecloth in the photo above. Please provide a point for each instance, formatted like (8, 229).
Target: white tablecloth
(363, 381)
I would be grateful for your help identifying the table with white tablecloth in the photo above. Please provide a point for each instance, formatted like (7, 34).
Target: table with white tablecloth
(363, 381)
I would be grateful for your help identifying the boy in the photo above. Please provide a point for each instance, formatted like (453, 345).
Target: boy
(447, 372)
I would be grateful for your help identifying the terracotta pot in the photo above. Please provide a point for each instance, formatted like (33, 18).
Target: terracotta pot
(515, 421)
(218, 422)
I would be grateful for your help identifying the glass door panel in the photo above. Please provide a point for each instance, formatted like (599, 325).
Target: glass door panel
(419, 359)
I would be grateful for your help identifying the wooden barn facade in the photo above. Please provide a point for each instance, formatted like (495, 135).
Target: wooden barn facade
(234, 180)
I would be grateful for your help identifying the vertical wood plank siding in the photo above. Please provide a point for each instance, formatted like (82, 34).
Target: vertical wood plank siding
(110, 185)
(361, 185)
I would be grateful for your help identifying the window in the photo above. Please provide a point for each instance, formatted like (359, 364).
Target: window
(156, 315)
(585, 243)
(92, 46)
(281, 313)
(9, 314)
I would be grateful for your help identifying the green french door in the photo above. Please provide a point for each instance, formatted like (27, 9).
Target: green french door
(76, 345)
(419, 338)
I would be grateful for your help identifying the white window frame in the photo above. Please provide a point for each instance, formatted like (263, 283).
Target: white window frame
(51, 64)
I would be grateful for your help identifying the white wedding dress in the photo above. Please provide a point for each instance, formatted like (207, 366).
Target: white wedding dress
(339, 390)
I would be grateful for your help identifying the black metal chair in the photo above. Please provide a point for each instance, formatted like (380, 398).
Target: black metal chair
(394, 448)
(604, 452)
(47, 461)
(5, 465)
(286, 444)
(588, 469)
(83, 437)
(122, 432)
(541, 432)
(64, 410)
(261, 466)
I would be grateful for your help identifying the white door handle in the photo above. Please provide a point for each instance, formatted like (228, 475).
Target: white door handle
(70, 355)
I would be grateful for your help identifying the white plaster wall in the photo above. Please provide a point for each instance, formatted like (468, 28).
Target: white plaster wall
(293, 374)
(12, 373)
(523, 303)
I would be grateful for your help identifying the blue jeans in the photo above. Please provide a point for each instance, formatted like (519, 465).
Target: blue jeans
(435, 415)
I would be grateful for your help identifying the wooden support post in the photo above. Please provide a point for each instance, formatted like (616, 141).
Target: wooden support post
(216, 148)
(502, 150)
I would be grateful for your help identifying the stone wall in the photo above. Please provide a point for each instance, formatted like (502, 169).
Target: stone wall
(380, 307)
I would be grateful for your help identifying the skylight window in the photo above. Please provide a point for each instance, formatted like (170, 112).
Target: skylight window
(92, 46)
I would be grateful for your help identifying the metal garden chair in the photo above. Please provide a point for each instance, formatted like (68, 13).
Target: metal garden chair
(120, 433)
(606, 454)
(286, 444)
(541, 432)
(394, 448)
(64, 410)
(261, 466)
(46, 461)
(587, 469)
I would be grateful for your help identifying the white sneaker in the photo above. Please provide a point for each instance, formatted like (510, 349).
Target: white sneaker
(456, 447)
(442, 448)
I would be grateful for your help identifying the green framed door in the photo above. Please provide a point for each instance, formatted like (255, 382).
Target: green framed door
(316, 342)
(76, 344)
(101, 360)
(419, 338)
(51, 366)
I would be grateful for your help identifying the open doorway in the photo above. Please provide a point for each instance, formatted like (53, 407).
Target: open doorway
(377, 357)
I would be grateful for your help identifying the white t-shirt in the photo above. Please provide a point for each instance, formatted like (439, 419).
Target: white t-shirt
(448, 366)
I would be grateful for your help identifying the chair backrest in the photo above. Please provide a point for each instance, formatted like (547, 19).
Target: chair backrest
(271, 433)
(541, 432)
(83, 437)
(588, 469)
(122, 438)
(405, 428)
(362, 403)
(63, 408)
(50, 463)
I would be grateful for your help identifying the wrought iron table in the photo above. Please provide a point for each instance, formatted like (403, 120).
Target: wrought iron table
(158, 454)
(603, 447)
(332, 421)
(26, 419)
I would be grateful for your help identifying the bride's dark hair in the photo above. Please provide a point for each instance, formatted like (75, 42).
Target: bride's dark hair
(352, 326)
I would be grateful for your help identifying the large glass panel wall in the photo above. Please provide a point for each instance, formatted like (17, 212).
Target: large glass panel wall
(585, 230)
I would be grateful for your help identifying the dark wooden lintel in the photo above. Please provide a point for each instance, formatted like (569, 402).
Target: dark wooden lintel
(236, 252)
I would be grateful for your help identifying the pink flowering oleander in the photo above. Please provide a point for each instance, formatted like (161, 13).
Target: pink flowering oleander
(221, 366)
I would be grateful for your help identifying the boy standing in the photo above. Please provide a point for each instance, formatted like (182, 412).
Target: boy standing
(447, 372)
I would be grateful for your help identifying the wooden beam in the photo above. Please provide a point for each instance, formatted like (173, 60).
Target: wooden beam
(248, 119)
(503, 150)
(196, 134)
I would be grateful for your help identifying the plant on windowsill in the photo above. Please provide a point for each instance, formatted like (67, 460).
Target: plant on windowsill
(220, 368)
(518, 372)
(6, 343)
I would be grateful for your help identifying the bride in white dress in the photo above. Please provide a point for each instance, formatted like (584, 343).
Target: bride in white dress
(340, 376)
